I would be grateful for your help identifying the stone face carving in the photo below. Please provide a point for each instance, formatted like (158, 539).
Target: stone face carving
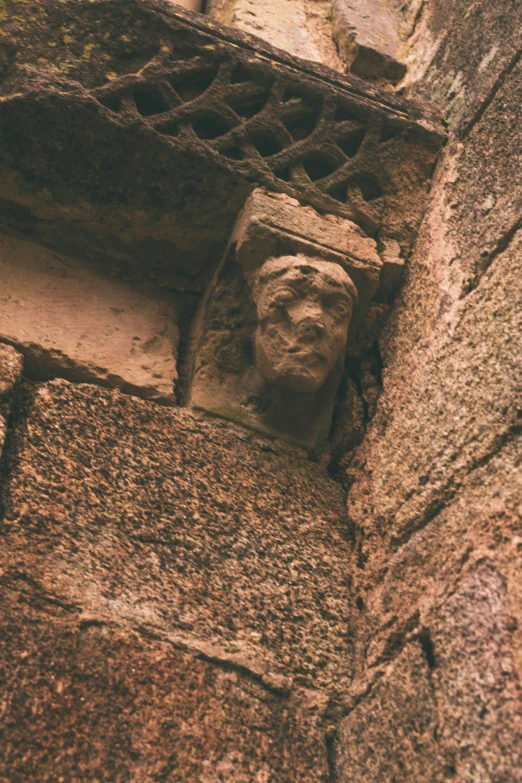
(270, 339)
(271, 345)
(304, 307)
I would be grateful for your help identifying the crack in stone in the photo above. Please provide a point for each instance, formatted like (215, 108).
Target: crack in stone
(486, 103)
(501, 246)
(450, 490)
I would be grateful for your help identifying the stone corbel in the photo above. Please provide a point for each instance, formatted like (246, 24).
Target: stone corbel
(289, 297)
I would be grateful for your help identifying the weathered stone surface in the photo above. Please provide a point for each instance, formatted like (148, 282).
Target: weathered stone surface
(367, 33)
(85, 700)
(203, 113)
(460, 405)
(456, 587)
(11, 366)
(269, 342)
(449, 707)
(462, 54)
(286, 25)
(271, 346)
(437, 483)
(478, 691)
(393, 267)
(272, 225)
(73, 322)
(392, 734)
(482, 523)
(220, 541)
(482, 205)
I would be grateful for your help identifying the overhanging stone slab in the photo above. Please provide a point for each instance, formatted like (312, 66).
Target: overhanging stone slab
(141, 145)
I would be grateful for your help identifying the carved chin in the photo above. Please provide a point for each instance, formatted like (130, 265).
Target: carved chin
(292, 375)
(300, 380)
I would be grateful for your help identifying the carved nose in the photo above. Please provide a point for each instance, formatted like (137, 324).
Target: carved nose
(310, 327)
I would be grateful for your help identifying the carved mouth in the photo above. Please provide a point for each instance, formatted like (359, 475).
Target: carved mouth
(308, 352)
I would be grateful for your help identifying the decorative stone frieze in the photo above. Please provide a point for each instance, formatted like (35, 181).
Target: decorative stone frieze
(138, 146)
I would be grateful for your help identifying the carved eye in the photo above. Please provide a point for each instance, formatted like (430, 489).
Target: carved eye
(282, 298)
(339, 308)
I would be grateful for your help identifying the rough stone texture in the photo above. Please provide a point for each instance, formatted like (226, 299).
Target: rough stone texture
(368, 34)
(393, 732)
(204, 113)
(72, 322)
(436, 486)
(84, 700)
(476, 680)
(190, 527)
(461, 404)
(449, 707)
(271, 349)
(117, 511)
(286, 25)
(226, 380)
(272, 225)
(462, 54)
(11, 366)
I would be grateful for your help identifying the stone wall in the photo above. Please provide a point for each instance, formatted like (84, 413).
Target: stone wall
(436, 488)
(184, 599)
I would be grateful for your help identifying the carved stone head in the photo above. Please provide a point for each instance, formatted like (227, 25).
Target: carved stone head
(270, 342)
(304, 307)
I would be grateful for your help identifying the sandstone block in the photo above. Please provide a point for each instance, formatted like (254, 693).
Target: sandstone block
(70, 321)
(284, 25)
(367, 33)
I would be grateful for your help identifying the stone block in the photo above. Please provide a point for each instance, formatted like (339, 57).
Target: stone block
(71, 321)
(393, 267)
(483, 198)
(367, 33)
(288, 25)
(272, 225)
(91, 701)
(392, 734)
(482, 522)
(458, 404)
(462, 55)
(478, 688)
(189, 528)
(448, 706)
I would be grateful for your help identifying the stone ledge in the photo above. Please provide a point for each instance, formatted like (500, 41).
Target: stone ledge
(204, 113)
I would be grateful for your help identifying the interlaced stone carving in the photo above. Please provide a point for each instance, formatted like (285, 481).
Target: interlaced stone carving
(299, 136)
(151, 136)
